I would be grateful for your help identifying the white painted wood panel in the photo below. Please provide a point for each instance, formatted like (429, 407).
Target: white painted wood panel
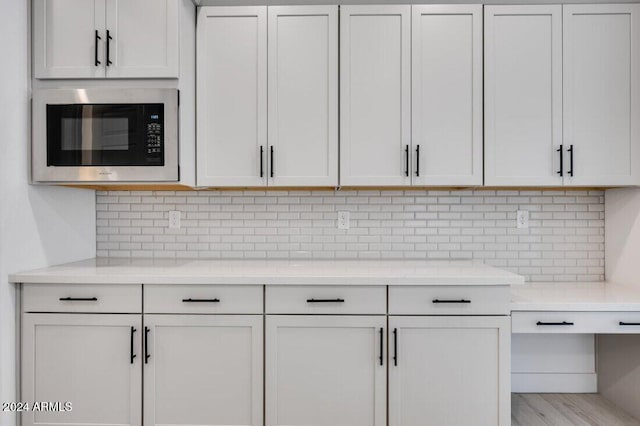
(64, 38)
(203, 299)
(145, 38)
(86, 360)
(523, 95)
(553, 322)
(375, 94)
(232, 96)
(601, 45)
(325, 370)
(204, 370)
(449, 371)
(86, 298)
(303, 95)
(449, 300)
(326, 299)
(447, 94)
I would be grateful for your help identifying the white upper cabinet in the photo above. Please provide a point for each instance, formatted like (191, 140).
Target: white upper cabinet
(106, 38)
(232, 96)
(523, 95)
(68, 38)
(375, 95)
(447, 94)
(602, 94)
(303, 95)
(144, 38)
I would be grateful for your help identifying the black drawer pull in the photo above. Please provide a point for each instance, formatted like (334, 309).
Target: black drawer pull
(78, 299)
(133, 330)
(190, 300)
(406, 160)
(554, 323)
(395, 347)
(561, 171)
(451, 301)
(628, 323)
(325, 300)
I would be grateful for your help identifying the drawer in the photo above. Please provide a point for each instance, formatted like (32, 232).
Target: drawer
(203, 299)
(103, 298)
(576, 322)
(330, 299)
(449, 300)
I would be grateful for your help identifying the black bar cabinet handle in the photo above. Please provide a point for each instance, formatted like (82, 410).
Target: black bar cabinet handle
(628, 323)
(146, 345)
(406, 160)
(554, 323)
(570, 151)
(190, 300)
(109, 38)
(381, 346)
(395, 347)
(325, 300)
(133, 330)
(95, 49)
(271, 161)
(261, 161)
(418, 160)
(451, 301)
(79, 299)
(561, 171)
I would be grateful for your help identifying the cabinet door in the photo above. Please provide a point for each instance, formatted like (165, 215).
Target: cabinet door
(325, 370)
(232, 96)
(602, 93)
(203, 370)
(144, 38)
(90, 360)
(375, 95)
(65, 38)
(303, 95)
(447, 94)
(523, 95)
(449, 371)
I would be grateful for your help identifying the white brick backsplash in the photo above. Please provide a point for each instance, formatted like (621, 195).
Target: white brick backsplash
(565, 240)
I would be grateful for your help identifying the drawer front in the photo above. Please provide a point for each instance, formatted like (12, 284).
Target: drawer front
(103, 298)
(203, 299)
(576, 322)
(337, 299)
(449, 300)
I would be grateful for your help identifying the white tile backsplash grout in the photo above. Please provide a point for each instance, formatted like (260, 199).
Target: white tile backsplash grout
(564, 241)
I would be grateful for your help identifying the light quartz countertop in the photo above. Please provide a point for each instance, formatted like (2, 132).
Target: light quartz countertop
(284, 272)
(575, 296)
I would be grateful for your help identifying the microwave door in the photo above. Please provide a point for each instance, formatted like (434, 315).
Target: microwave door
(86, 135)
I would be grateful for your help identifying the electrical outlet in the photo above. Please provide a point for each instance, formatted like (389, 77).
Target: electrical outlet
(522, 219)
(343, 220)
(174, 219)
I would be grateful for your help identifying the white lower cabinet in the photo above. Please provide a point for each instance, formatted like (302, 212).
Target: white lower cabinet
(449, 370)
(326, 370)
(203, 370)
(90, 360)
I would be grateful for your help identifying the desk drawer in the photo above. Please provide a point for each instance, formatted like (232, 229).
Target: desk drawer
(576, 322)
(449, 300)
(331, 299)
(203, 299)
(82, 298)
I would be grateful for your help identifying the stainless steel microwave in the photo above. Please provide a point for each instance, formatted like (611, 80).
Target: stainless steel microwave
(105, 135)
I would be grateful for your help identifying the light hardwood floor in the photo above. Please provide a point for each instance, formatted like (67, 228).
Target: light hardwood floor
(566, 409)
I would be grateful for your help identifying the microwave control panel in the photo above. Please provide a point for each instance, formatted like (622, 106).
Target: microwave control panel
(154, 138)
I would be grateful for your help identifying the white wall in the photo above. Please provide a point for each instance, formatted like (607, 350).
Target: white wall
(39, 226)
(622, 235)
